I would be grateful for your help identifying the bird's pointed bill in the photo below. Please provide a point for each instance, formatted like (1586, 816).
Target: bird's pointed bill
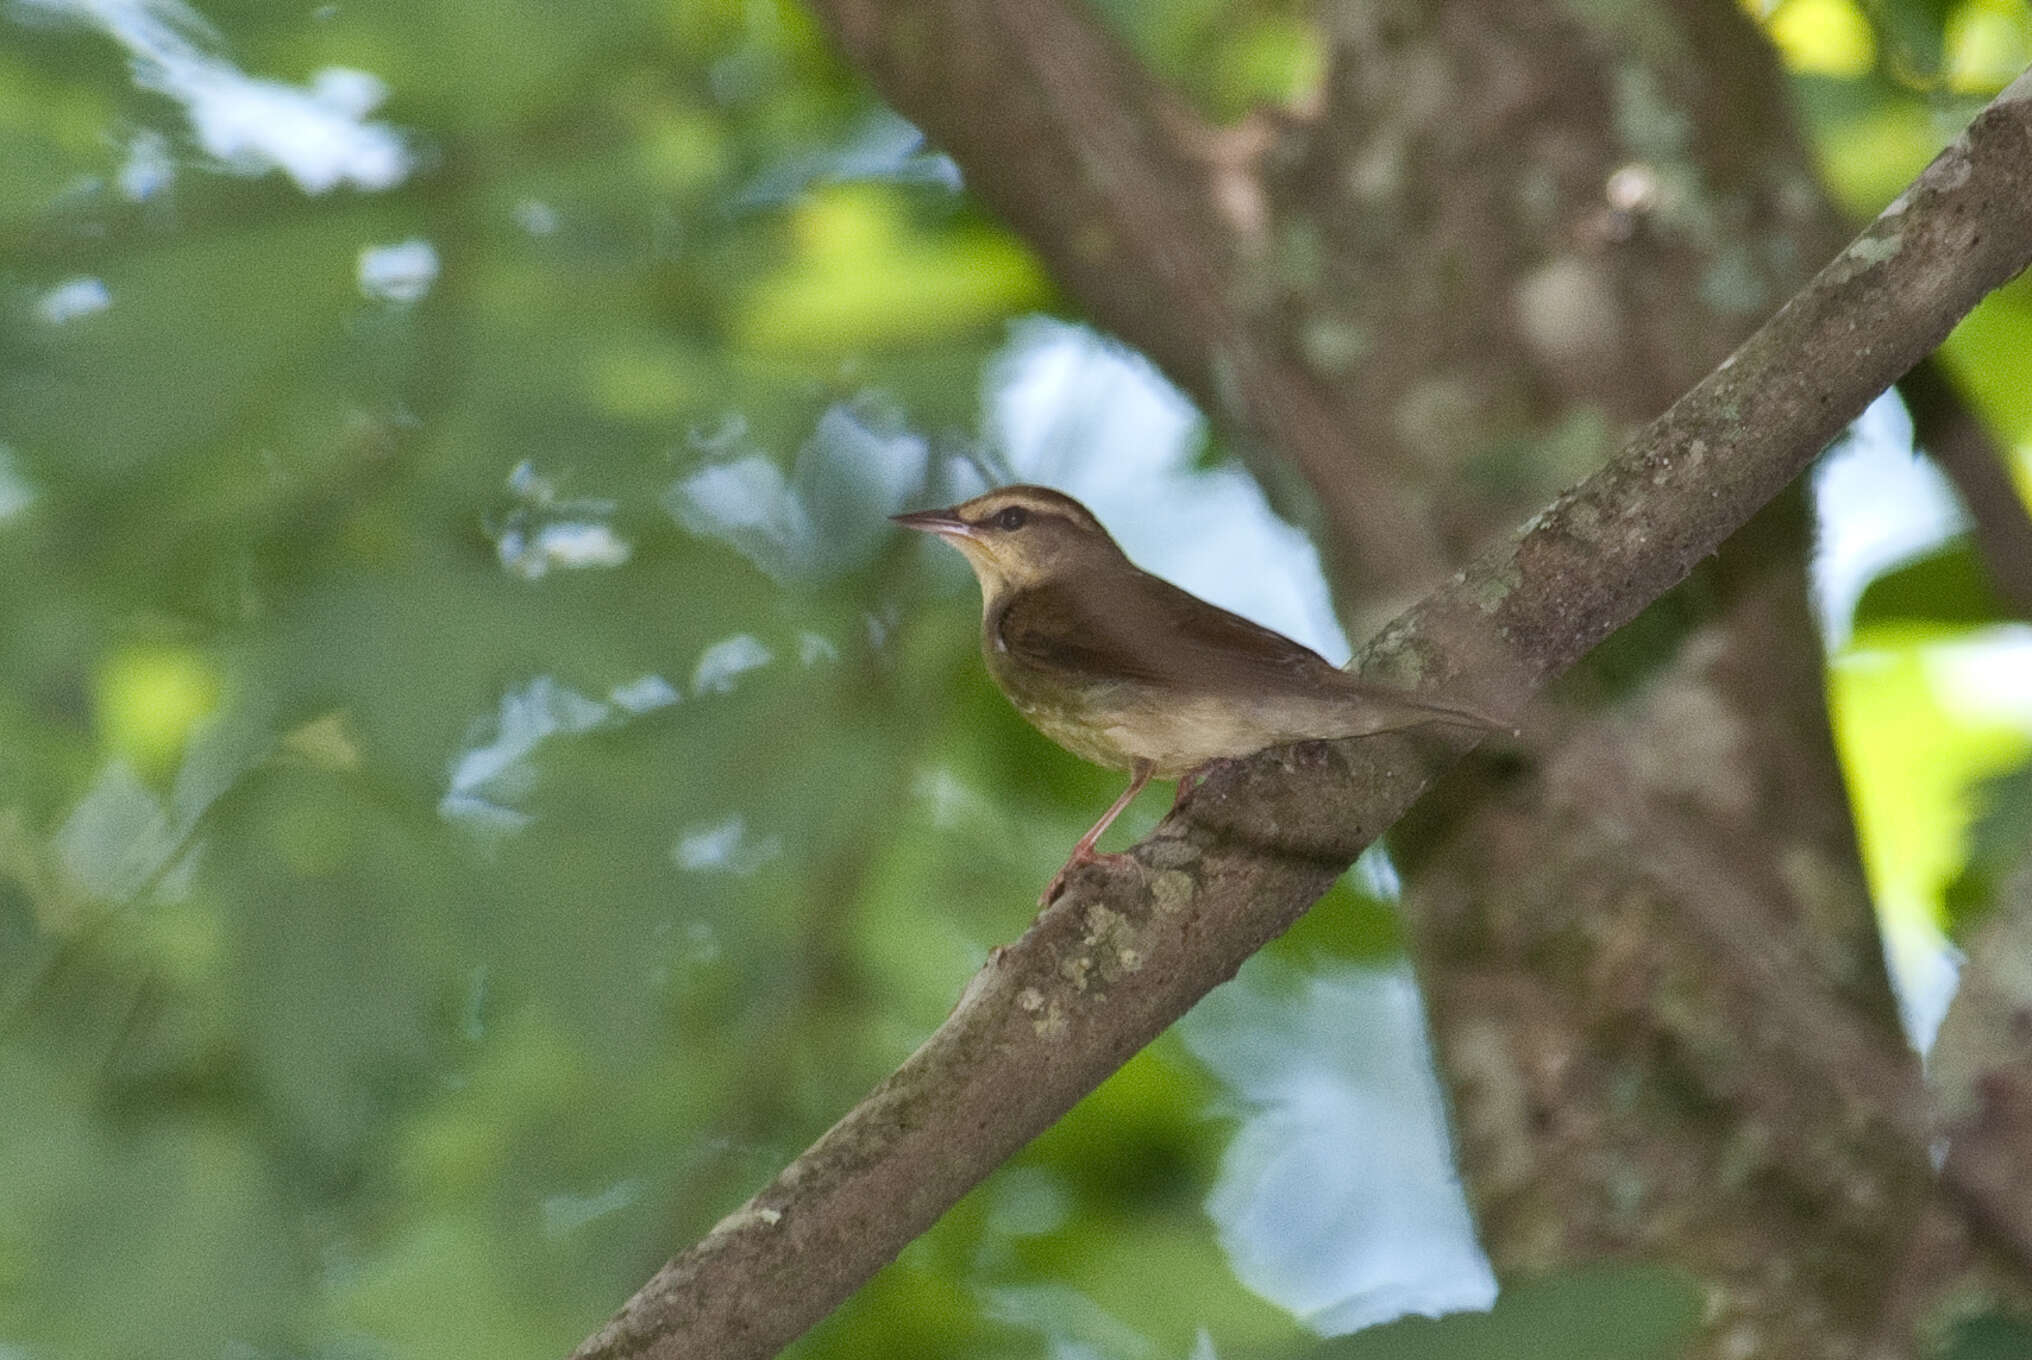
(942, 522)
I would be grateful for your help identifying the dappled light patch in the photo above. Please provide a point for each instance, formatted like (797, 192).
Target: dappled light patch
(1337, 1196)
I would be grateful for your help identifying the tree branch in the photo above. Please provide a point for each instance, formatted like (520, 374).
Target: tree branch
(1127, 951)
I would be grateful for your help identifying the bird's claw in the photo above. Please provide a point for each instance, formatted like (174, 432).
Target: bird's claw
(1056, 888)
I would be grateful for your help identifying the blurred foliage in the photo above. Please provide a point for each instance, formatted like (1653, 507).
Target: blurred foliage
(1999, 845)
(1945, 586)
(448, 856)
(1915, 748)
(1599, 1314)
(1228, 58)
(445, 862)
(1991, 1338)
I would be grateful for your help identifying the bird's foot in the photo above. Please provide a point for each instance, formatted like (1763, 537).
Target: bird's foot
(1054, 889)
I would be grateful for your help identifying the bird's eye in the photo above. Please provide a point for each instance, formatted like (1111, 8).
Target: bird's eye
(1011, 518)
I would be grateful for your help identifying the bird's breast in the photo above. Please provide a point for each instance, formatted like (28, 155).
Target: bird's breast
(1115, 723)
(1082, 716)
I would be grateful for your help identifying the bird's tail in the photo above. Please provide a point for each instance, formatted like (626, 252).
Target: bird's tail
(1382, 709)
(1461, 715)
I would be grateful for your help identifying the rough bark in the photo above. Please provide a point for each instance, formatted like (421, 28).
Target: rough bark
(1127, 950)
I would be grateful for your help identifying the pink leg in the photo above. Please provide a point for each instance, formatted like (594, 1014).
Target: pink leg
(1083, 853)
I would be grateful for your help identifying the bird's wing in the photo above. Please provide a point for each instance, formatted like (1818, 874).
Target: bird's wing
(1226, 654)
(1229, 648)
(1145, 628)
(1053, 628)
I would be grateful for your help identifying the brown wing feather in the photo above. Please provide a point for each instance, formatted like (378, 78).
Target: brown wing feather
(1052, 628)
(1232, 646)
(1150, 630)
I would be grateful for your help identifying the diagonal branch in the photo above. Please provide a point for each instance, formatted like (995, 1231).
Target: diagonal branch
(1126, 952)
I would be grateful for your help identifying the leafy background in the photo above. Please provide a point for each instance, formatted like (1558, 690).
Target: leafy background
(481, 786)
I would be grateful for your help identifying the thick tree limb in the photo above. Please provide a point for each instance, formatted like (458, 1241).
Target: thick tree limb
(1125, 952)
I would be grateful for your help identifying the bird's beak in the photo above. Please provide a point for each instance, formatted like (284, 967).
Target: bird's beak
(944, 523)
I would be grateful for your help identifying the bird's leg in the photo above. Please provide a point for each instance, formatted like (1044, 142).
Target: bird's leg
(1083, 853)
(1189, 782)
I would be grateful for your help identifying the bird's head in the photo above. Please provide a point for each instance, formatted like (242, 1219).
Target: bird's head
(1015, 537)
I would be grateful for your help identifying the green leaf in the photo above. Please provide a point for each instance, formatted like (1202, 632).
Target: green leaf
(1945, 586)
(1999, 839)
(1610, 1313)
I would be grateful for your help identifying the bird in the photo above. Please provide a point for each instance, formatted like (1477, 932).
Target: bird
(1131, 672)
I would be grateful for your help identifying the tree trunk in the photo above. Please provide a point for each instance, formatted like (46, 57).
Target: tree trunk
(1643, 932)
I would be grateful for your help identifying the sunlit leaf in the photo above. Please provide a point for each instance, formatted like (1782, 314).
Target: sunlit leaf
(862, 278)
(1823, 37)
(149, 698)
(1911, 755)
(1988, 42)
(1999, 843)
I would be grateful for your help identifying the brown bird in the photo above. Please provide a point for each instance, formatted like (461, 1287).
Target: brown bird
(1133, 673)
